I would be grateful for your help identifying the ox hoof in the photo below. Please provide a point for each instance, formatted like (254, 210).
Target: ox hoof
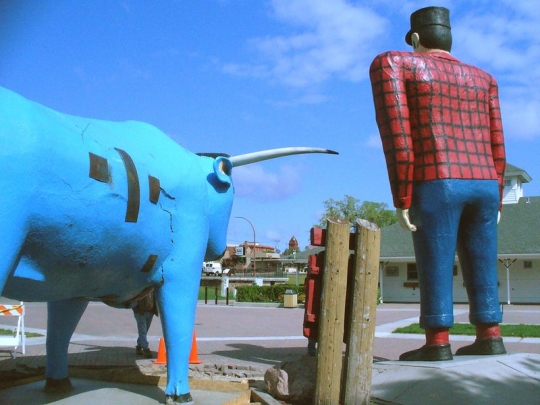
(58, 386)
(184, 399)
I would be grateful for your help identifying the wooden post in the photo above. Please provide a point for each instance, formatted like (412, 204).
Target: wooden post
(359, 353)
(332, 315)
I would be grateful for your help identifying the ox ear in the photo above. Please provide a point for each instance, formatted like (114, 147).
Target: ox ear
(223, 169)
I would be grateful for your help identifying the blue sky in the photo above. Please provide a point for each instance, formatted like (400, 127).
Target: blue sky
(238, 76)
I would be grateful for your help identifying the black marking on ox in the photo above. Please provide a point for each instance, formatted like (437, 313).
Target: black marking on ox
(134, 190)
(155, 188)
(149, 265)
(213, 155)
(141, 295)
(99, 168)
(109, 297)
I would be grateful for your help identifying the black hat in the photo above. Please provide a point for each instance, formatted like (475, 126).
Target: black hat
(426, 17)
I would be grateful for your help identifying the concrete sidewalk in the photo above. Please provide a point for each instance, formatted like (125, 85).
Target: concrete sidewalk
(506, 380)
(238, 344)
(92, 392)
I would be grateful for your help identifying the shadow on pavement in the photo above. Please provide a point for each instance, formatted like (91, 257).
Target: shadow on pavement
(85, 392)
(260, 354)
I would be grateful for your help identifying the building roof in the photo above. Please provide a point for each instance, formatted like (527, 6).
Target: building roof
(519, 229)
(396, 243)
(301, 257)
(512, 170)
(519, 233)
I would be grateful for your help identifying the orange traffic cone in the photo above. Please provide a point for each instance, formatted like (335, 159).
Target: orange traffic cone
(162, 353)
(193, 356)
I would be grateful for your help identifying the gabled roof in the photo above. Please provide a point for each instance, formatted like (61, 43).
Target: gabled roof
(519, 229)
(302, 257)
(512, 171)
(518, 233)
(396, 243)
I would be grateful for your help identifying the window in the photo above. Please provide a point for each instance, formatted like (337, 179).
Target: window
(527, 264)
(412, 273)
(392, 271)
(508, 183)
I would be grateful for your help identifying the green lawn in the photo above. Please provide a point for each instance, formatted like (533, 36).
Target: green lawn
(301, 278)
(212, 294)
(9, 332)
(520, 330)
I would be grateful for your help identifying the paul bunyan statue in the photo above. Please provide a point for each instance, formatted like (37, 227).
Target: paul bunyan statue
(440, 125)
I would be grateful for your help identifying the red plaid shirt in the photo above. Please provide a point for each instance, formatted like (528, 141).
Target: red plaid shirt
(438, 119)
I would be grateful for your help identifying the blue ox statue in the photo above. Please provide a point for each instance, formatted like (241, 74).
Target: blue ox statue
(102, 211)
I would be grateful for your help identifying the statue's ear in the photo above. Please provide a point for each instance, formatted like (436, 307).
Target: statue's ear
(223, 169)
(415, 40)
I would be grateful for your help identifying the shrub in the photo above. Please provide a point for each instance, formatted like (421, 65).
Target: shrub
(270, 293)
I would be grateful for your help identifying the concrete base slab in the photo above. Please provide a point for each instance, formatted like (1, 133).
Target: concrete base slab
(508, 379)
(90, 392)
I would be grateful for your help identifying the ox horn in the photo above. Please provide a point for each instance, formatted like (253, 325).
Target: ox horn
(254, 157)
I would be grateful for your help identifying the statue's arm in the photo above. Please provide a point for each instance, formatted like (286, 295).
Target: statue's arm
(392, 116)
(497, 139)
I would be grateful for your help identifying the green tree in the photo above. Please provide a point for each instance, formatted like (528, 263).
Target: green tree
(232, 261)
(351, 209)
(289, 251)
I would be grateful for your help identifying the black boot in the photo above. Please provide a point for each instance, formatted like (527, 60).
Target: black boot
(483, 347)
(429, 353)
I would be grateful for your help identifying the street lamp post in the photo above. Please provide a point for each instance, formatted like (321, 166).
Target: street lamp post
(295, 265)
(252, 227)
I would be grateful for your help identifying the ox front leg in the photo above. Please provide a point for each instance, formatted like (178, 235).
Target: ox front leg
(177, 301)
(13, 236)
(62, 319)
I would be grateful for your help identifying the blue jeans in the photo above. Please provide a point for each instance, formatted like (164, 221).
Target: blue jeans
(456, 215)
(144, 321)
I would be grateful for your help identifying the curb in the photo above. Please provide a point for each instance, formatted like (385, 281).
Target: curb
(263, 305)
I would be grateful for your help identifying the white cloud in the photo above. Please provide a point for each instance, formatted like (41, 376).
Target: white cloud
(521, 117)
(504, 41)
(525, 7)
(331, 39)
(337, 39)
(314, 98)
(255, 183)
(507, 44)
(374, 142)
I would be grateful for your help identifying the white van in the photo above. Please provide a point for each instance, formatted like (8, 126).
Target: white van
(211, 268)
(214, 269)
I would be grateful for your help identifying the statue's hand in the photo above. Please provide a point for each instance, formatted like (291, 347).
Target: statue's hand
(404, 221)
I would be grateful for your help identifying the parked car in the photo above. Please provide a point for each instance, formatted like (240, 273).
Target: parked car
(215, 269)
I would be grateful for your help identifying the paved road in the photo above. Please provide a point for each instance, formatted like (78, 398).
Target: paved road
(248, 336)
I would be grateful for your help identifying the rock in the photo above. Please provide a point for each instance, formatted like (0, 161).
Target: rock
(293, 381)
(276, 383)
